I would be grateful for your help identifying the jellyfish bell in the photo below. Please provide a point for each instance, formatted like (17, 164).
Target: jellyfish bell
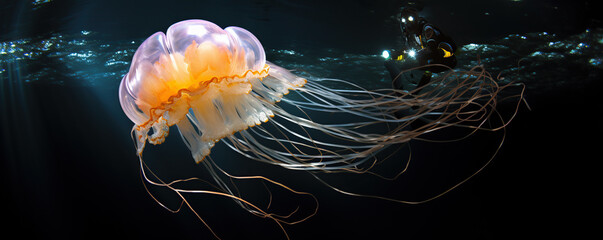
(199, 77)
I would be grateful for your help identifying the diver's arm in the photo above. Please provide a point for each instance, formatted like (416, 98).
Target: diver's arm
(424, 56)
(433, 45)
(433, 53)
(397, 55)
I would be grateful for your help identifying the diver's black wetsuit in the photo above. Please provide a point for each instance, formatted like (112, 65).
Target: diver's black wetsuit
(434, 48)
(431, 46)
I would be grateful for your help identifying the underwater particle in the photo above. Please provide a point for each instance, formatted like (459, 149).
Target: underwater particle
(39, 3)
(595, 62)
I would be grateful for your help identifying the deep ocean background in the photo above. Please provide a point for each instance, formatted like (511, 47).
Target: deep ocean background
(69, 170)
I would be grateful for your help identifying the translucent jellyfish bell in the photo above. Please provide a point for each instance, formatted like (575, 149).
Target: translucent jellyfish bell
(199, 77)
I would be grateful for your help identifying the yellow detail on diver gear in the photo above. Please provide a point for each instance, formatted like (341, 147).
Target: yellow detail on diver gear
(400, 58)
(446, 53)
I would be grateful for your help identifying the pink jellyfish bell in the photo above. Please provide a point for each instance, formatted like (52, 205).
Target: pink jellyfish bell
(200, 77)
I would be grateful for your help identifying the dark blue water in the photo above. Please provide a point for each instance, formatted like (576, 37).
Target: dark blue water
(69, 167)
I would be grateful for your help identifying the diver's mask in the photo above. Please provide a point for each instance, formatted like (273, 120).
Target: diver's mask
(409, 21)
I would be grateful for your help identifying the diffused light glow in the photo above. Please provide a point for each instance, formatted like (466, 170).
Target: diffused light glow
(200, 30)
(412, 53)
(385, 54)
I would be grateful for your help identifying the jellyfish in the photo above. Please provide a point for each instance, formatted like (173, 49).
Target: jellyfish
(215, 85)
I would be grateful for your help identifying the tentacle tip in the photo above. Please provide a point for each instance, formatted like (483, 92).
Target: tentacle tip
(199, 160)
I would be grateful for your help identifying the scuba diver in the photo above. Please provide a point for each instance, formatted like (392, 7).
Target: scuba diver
(434, 47)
